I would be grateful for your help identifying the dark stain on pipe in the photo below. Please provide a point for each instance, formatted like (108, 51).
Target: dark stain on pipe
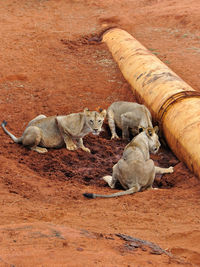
(165, 75)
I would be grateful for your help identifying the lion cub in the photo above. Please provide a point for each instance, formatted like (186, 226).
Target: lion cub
(135, 170)
(54, 132)
(128, 115)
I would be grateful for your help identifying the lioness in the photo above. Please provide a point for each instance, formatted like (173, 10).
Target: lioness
(53, 132)
(128, 115)
(135, 170)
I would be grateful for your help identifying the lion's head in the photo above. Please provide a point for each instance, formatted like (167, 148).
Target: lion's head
(95, 120)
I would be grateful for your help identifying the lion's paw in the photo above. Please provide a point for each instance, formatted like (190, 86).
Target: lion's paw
(40, 149)
(171, 169)
(71, 147)
(86, 149)
(115, 136)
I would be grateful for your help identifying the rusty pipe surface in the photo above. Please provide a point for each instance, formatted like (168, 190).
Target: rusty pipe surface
(172, 102)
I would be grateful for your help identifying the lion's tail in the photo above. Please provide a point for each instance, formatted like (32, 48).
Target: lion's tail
(117, 194)
(14, 138)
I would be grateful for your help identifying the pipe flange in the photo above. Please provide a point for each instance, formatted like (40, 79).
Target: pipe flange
(170, 101)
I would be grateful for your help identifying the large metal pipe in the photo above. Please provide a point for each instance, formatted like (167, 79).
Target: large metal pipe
(172, 102)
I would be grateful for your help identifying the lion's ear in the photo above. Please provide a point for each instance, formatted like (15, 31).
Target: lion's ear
(86, 111)
(103, 113)
(149, 131)
(156, 129)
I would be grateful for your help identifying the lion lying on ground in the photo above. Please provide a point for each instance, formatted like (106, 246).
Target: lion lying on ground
(135, 170)
(128, 115)
(54, 132)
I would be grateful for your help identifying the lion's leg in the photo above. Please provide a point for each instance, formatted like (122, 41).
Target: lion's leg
(115, 174)
(111, 180)
(149, 174)
(69, 142)
(158, 170)
(111, 124)
(151, 180)
(125, 132)
(32, 137)
(66, 137)
(164, 170)
(81, 145)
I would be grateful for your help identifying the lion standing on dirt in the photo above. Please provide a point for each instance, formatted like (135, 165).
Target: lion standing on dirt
(54, 132)
(128, 115)
(135, 170)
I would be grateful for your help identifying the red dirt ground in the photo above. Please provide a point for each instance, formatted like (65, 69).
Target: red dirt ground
(49, 67)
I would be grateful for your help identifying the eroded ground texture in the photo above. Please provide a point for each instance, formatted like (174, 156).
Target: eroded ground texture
(49, 66)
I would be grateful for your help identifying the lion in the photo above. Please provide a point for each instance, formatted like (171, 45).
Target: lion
(128, 116)
(135, 170)
(56, 131)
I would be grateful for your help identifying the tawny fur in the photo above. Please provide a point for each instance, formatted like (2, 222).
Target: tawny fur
(54, 132)
(128, 116)
(135, 170)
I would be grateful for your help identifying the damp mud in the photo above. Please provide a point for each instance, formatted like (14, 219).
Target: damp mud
(52, 63)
